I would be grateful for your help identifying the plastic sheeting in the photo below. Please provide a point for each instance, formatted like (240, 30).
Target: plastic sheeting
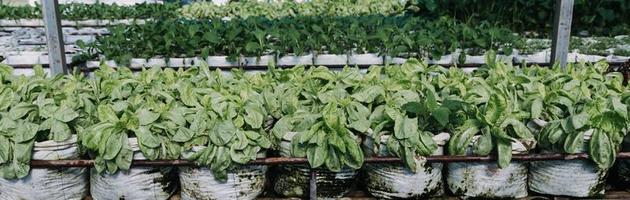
(487, 180)
(576, 178)
(62, 184)
(246, 182)
(138, 183)
(293, 180)
(395, 181)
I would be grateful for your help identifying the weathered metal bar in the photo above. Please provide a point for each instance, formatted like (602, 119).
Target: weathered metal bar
(54, 37)
(280, 160)
(563, 15)
(313, 185)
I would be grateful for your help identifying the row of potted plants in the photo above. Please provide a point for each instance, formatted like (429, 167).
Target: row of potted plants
(81, 11)
(333, 118)
(281, 9)
(384, 35)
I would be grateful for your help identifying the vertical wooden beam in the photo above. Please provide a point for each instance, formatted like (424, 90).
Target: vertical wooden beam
(54, 37)
(563, 15)
(313, 185)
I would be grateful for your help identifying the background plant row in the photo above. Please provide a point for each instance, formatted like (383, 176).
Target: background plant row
(599, 17)
(395, 35)
(221, 121)
(282, 9)
(77, 11)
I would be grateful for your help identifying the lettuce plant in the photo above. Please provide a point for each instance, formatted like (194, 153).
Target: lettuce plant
(33, 109)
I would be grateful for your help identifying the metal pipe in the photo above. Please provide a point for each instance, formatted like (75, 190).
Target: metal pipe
(313, 185)
(281, 160)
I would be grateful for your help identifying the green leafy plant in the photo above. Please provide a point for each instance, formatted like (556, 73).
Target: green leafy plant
(33, 109)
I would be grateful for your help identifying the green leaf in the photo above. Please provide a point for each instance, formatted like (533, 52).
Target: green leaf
(222, 132)
(504, 150)
(405, 127)
(573, 142)
(21, 169)
(20, 110)
(441, 114)
(146, 138)
(409, 158)
(183, 135)
(360, 125)
(619, 107)
(317, 155)
(65, 114)
(412, 107)
(113, 146)
(333, 163)
(238, 156)
(106, 114)
(23, 151)
(60, 131)
(187, 95)
(146, 117)
(536, 108)
(483, 146)
(125, 156)
(6, 99)
(578, 121)
(5, 150)
(601, 150)
(254, 118)
(354, 158)
(26, 131)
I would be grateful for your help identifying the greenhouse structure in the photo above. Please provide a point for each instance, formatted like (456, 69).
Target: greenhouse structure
(314, 99)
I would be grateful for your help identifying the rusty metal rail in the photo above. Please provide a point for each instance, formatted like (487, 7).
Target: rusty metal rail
(281, 160)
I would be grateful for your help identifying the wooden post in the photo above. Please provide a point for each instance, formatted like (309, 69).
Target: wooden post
(54, 37)
(561, 31)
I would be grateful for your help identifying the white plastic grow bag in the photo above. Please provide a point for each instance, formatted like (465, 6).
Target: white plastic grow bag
(330, 59)
(293, 180)
(56, 184)
(243, 182)
(395, 181)
(138, 183)
(394, 60)
(295, 60)
(486, 179)
(220, 61)
(576, 178)
(365, 59)
(257, 61)
(137, 62)
(156, 62)
(175, 62)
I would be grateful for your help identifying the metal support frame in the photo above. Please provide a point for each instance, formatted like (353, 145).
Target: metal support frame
(313, 185)
(54, 37)
(293, 161)
(561, 31)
